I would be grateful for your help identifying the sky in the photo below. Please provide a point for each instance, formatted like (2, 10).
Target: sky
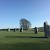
(35, 11)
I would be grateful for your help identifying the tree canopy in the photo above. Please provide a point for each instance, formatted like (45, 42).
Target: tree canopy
(25, 24)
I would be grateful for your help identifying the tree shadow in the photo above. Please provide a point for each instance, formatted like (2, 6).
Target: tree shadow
(25, 46)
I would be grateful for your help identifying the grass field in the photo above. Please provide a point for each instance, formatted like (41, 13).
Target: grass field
(23, 41)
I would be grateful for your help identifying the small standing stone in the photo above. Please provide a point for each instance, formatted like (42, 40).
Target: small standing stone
(14, 30)
(36, 30)
(8, 29)
(21, 29)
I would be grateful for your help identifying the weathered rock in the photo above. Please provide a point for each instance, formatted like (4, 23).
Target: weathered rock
(14, 30)
(8, 29)
(36, 30)
(21, 29)
(46, 29)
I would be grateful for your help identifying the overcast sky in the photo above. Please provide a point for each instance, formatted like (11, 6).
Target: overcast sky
(36, 11)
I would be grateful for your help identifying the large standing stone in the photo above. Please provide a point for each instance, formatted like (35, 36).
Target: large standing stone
(36, 30)
(46, 30)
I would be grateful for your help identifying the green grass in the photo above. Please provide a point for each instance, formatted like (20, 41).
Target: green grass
(23, 41)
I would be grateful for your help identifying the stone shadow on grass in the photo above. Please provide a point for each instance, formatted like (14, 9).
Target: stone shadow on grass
(23, 37)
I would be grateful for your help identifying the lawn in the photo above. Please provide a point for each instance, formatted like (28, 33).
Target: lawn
(23, 41)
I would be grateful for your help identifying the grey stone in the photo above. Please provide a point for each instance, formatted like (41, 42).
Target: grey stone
(21, 29)
(14, 30)
(36, 30)
(46, 29)
(8, 29)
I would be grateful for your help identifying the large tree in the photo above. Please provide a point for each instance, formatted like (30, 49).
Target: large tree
(25, 24)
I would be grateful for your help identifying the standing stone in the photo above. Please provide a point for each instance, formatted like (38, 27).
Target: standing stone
(48, 33)
(21, 29)
(14, 30)
(36, 30)
(46, 28)
(8, 29)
